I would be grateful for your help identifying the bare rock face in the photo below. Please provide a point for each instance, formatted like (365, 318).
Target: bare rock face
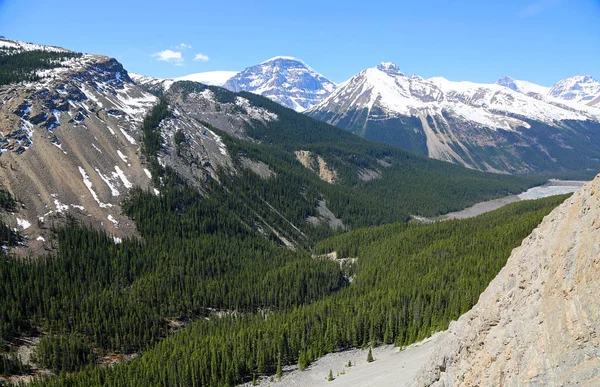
(538, 321)
(317, 165)
(70, 143)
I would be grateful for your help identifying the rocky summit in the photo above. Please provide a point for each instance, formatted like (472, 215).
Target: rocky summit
(538, 321)
(286, 80)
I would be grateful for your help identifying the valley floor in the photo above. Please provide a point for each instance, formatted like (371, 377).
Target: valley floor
(553, 187)
(391, 367)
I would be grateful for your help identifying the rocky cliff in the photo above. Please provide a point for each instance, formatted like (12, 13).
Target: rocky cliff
(538, 322)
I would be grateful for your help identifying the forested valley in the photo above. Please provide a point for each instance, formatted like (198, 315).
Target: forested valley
(203, 298)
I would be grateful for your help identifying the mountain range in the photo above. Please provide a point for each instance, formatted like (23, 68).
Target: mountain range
(285, 80)
(511, 126)
(73, 141)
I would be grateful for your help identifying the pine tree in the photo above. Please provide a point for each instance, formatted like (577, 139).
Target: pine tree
(370, 356)
(302, 361)
(330, 377)
(279, 371)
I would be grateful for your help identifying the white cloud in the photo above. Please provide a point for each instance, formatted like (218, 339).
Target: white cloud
(537, 7)
(182, 46)
(201, 57)
(170, 56)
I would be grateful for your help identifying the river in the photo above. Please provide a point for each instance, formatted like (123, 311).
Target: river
(553, 187)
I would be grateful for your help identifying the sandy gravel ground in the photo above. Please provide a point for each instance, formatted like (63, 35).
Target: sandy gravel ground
(553, 187)
(391, 367)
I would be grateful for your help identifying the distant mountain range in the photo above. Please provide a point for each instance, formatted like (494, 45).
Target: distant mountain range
(285, 80)
(511, 126)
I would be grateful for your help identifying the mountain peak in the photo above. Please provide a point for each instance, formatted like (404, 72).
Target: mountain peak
(286, 80)
(283, 57)
(509, 82)
(579, 88)
(390, 68)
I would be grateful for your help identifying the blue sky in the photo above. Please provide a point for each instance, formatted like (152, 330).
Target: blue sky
(537, 40)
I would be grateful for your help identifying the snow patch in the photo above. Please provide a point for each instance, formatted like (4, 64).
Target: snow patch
(23, 223)
(123, 178)
(113, 220)
(123, 157)
(88, 184)
(127, 136)
(113, 190)
(59, 206)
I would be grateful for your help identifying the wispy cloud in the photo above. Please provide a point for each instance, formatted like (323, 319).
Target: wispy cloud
(201, 58)
(182, 46)
(537, 7)
(170, 56)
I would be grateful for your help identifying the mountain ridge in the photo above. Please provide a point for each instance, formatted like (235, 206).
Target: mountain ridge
(481, 126)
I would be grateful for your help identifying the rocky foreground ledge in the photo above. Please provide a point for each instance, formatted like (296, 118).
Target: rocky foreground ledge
(538, 321)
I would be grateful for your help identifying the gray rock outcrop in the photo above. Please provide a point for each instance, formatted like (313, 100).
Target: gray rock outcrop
(538, 321)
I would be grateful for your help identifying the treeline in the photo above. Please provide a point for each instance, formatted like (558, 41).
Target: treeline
(410, 281)
(18, 66)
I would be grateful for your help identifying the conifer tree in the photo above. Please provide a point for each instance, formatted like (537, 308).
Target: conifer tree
(279, 371)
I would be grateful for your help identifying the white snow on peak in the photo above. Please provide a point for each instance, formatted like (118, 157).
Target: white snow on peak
(283, 57)
(577, 92)
(145, 80)
(524, 87)
(384, 91)
(581, 88)
(390, 68)
(211, 78)
(286, 80)
(24, 46)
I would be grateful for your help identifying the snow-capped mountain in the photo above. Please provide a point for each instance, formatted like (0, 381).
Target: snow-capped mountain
(531, 89)
(286, 80)
(506, 127)
(72, 136)
(152, 83)
(211, 78)
(578, 90)
(582, 88)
